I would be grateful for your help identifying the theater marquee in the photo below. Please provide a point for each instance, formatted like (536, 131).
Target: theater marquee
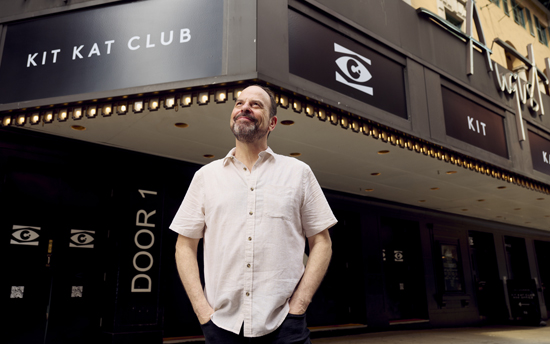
(107, 48)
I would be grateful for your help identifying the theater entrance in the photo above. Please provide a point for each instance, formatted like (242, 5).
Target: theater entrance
(403, 271)
(53, 237)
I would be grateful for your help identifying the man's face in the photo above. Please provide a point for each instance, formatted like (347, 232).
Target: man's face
(250, 119)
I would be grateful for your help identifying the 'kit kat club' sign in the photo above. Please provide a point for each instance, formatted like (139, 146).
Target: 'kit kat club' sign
(540, 152)
(473, 124)
(112, 47)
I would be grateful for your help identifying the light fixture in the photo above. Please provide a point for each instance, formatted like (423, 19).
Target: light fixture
(237, 93)
(375, 174)
(221, 96)
(181, 125)
(451, 172)
(287, 122)
(169, 102)
(78, 127)
(6, 121)
(382, 152)
(322, 115)
(91, 111)
(344, 122)
(393, 139)
(297, 106)
(122, 108)
(369, 190)
(366, 129)
(310, 112)
(138, 106)
(204, 98)
(21, 120)
(186, 100)
(384, 136)
(209, 156)
(77, 113)
(153, 104)
(35, 118)
(333, 118)
(375, 133)
(48, 116)
(62, 115)
(107, 110)
(355, 126)
(295, 154)
(283, 101)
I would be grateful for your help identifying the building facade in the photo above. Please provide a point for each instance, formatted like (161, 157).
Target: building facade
(425, 122)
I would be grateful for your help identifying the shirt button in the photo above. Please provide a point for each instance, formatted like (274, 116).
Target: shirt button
(247, 294)
(244, 168)
(247, 265)
(249, 238)
(251, 213)
(251, 189)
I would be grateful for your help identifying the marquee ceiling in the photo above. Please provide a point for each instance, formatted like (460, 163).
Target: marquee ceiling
(341, 159)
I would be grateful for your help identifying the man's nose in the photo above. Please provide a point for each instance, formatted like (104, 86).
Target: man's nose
(245, 107)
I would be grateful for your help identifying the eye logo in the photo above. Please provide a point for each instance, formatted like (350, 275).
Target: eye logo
(82, 239)
(24, 235)
(354, 69)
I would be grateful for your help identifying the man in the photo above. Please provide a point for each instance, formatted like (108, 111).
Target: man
(254, 209)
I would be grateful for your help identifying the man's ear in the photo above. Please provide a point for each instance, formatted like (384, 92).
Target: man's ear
(272, 123)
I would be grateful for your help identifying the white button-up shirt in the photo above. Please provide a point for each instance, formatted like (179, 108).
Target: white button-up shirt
(254, 225)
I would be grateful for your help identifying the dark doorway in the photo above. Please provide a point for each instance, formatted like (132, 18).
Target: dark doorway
(543, 258)
(516, 259)
(54, 233)
(403, 270)
(489, 288)
(341, 296)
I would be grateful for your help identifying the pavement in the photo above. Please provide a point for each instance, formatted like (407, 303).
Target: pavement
(469, 335)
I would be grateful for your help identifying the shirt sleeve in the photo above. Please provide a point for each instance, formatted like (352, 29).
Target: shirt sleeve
(316, 213)
(189, 220)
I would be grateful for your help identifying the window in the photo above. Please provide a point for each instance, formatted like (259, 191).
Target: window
(518, 13)
(529, 21)
(505, 5)
(453, 20)
(452, 274)
(496, 2)
(541, 30)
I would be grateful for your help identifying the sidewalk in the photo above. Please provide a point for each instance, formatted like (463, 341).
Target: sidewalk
(469, 335)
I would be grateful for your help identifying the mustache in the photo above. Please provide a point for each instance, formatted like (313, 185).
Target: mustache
(247, 116)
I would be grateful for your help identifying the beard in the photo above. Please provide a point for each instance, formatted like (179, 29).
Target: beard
(247, 132)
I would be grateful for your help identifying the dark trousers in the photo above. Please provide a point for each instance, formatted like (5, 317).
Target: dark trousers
(293, 330)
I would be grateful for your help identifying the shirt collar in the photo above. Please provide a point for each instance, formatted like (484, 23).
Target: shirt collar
(263, 155)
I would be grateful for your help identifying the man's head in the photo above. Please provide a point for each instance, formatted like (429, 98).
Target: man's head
(254, 114)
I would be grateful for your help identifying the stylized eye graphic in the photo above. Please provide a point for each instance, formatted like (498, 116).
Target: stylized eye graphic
(82, 239)
(25, 235)
(353, 69)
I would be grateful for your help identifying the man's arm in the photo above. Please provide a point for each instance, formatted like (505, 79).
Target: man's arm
(188, 269)
(320, 251)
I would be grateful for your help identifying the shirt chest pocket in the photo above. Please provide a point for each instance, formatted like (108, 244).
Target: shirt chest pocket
(280, 201)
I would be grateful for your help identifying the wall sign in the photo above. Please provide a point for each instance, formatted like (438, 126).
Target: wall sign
(540, 152)
(345, 66)
(107, 48)
(473, 124)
